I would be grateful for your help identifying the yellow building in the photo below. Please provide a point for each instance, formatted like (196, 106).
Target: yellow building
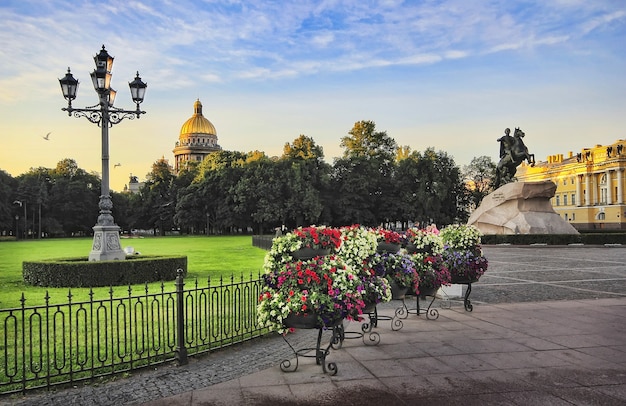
(591, 189)
(197, 139)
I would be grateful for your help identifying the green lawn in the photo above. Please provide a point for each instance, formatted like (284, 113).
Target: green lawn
(212, 257)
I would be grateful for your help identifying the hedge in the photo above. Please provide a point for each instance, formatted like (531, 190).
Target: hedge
(555, 239)
(80, 272)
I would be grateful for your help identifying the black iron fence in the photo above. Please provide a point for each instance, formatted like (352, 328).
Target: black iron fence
(262, 241)
(55, 344)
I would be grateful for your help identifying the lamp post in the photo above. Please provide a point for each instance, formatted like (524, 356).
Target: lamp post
(23, 204)
(106, 238)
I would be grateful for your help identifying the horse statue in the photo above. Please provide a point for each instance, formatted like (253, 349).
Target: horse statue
(512, 153)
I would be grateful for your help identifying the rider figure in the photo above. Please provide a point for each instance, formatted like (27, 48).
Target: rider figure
(506, 142)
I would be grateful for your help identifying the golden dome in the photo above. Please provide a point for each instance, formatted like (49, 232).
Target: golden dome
(197, 124)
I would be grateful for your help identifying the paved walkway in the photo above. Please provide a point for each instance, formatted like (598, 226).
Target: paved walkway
(548, 328)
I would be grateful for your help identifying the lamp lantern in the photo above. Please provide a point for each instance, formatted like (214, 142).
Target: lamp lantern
(137, 89)
(112, 94)
(69, 86)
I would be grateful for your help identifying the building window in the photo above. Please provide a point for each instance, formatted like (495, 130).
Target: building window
(572, 181)
(565, 202)
(601, 216)
(564, 182)
(573, 216)
(603, 195)
(565, 215)
(558, 201)
(573, 199)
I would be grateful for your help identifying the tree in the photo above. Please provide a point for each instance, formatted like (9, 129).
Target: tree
(122, 212)
(428, 189)
(353, 199)
(7, 187)
(306, 183)
(363, 177)
(159, 197)
(443, 189)
(191, 214)
(365, 142)
(72, 199)
(208, 203)
(408, 205)
(303, 148)
(478, 176)
(260, 195)
(403, 153)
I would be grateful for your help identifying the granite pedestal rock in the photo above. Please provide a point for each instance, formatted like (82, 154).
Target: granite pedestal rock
(520, 208)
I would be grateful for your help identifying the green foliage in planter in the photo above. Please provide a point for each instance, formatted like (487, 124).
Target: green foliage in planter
(80, 272)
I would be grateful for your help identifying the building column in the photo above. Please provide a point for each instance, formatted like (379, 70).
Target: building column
(588, 189)
(609, 187)
(579, 191)
(595, 185)
(620, 190)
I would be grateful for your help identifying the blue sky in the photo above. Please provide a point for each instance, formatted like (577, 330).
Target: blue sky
(444, 74)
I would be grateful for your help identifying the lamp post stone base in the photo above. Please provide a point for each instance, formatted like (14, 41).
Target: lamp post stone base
(106, 244)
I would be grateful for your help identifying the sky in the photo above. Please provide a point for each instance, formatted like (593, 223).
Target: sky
(446, 74)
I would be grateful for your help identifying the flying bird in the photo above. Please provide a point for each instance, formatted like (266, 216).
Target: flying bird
(116, 165)
(47, 137)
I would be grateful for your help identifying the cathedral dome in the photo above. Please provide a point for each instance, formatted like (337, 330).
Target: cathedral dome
(197, 124)
(197, 139)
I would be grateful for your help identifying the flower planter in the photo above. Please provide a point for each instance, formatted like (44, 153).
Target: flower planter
(388, 247)
(413, 249)
(397, 292)
(462, 280)
(308, 253)
(307, 321)
(369, 308)
(427, 291)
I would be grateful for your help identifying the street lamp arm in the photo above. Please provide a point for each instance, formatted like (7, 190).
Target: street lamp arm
(117, 115)
(95, 114)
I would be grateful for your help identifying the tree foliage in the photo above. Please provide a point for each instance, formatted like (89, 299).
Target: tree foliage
(479, 176)
(7, 186)
(373, 183)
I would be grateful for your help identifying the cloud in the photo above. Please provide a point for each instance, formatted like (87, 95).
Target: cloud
(225, 41)
(602, 21)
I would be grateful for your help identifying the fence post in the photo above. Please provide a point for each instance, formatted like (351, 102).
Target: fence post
(181, 350)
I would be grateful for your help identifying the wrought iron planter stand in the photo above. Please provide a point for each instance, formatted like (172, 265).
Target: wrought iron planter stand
(466, 302)
(374, 317)
(430, 312)
(369, 336)
(338, 335)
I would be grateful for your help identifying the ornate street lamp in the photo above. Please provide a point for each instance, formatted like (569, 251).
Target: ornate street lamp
(106, 238)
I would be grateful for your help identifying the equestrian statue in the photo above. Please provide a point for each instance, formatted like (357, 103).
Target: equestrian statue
(512, 153)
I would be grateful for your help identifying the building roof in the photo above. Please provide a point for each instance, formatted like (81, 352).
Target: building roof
(197, 124)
